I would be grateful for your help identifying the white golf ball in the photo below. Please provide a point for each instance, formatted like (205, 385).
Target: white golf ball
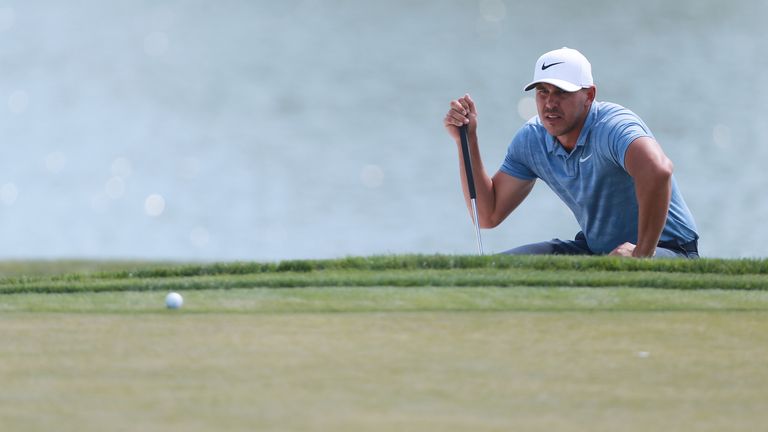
(174, 300)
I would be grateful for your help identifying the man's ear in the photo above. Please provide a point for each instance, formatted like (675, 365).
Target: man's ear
(591, 94)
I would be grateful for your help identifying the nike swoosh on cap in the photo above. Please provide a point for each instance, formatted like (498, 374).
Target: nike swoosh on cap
(545, 66)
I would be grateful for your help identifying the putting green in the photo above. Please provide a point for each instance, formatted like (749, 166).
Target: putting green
(410, 343)
(383, 359)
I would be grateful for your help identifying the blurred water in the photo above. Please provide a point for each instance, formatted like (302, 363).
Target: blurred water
(269, 130)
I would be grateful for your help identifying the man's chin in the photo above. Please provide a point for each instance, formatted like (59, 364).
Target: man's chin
(555, 132)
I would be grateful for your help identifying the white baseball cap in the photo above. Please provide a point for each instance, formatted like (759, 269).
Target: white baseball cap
(565, 68)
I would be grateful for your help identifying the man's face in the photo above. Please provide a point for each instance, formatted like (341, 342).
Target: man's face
(562, 112)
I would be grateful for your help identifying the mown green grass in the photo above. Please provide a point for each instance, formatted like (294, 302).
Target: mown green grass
(384, 371)
(411, 271)
(408, 343)
(392, 299)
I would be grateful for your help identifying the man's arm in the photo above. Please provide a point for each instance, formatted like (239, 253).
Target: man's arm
(497, 197)
(646, 162)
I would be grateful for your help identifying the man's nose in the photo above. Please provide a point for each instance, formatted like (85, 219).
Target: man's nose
(550, 101)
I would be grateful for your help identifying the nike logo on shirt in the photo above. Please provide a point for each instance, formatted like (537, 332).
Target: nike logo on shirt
(584, 159)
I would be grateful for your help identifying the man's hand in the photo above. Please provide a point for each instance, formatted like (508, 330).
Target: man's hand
(462, 113)
(626, 250)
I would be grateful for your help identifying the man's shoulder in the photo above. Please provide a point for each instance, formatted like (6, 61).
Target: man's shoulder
(607, 111)
(615, 128)
(532, 129)
(530, 138)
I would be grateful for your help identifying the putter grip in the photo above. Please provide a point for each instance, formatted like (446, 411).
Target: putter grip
(467, 161)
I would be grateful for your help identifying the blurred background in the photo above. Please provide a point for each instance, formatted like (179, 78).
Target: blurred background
(265, 130)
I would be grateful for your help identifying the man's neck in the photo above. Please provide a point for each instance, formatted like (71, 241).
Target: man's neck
(569, 140)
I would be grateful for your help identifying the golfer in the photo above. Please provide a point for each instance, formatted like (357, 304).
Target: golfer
(598, 157)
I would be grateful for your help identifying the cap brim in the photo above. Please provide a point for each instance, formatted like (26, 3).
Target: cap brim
(565, 85)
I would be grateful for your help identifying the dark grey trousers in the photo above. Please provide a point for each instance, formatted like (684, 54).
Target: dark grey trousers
(578, 246)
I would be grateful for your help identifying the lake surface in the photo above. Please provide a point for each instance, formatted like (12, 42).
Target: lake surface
(254, 130)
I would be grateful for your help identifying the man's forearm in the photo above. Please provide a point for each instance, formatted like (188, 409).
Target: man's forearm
(653, 202)
(652, 172)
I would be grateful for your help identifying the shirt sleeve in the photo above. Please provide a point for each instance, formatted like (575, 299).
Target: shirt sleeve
(623, 128)
(516, 163)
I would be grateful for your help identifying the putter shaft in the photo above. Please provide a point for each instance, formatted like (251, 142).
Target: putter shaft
(477, 227)
(470, 184)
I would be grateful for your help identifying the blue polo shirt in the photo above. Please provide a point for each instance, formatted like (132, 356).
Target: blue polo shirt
(592, 180)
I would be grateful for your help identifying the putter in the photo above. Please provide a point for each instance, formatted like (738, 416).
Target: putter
(470, 184)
